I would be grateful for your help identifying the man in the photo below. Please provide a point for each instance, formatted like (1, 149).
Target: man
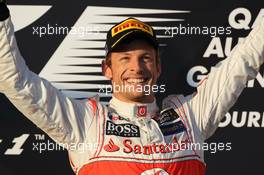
(131, 135)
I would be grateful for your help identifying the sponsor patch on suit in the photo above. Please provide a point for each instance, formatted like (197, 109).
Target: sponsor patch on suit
(123, 130)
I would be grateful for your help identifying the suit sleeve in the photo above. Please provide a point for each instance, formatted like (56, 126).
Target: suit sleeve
(221, 88)
(63, 119)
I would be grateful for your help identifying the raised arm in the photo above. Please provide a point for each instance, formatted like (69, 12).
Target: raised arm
(63, 119)
(220, 90)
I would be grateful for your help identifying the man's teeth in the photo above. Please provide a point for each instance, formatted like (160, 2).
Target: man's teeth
(138, 80)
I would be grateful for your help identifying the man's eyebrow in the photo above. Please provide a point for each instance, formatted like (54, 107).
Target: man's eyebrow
(125, 53)
(147, 53)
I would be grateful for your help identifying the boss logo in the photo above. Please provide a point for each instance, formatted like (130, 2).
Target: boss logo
(123, 130)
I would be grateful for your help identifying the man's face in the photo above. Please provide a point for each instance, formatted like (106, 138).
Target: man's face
(133, 66)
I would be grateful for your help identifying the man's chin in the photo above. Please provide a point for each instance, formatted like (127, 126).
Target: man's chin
(140, 97)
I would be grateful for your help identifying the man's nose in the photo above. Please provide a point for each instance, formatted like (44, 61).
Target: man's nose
(137, 65)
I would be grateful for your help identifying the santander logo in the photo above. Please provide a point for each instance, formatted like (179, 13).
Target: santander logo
(111, 146)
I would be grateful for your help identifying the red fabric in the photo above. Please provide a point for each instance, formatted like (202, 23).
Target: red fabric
(187, 167)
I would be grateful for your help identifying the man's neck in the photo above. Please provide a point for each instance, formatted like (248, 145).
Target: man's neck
(134, 110)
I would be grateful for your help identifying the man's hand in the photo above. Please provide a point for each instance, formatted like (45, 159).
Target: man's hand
(4, 12)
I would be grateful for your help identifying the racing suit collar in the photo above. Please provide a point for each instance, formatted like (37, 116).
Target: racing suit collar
(134, 110)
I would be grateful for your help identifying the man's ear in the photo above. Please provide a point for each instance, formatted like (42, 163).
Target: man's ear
(106, 70)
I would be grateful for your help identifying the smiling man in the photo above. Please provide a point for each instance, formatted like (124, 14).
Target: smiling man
(132, 61)
(131, 135)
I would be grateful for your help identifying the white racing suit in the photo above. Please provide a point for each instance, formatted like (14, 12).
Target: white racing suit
(125, 138)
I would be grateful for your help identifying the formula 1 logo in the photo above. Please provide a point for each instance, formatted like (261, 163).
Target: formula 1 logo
(18, 143)
(75, 67)
(30, 14)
